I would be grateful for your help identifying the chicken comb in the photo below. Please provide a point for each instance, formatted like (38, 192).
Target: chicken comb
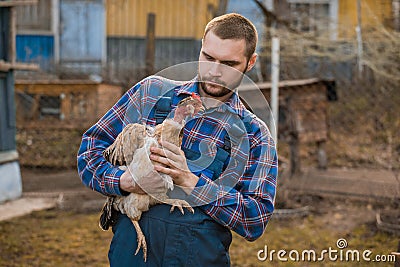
(195, 96)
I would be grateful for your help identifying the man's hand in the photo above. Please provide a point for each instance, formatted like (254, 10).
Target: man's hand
(174, 164)
(150, 184)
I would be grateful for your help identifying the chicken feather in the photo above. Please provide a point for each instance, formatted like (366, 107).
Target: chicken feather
(132, 148)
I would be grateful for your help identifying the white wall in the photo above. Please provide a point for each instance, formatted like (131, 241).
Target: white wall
(10, 181)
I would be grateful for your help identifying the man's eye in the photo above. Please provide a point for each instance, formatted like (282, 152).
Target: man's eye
(229, 64)
(209, 58)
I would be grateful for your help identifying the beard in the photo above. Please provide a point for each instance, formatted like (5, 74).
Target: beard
(215, 87)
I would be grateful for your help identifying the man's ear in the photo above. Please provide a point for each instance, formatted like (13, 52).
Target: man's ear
(252, 62)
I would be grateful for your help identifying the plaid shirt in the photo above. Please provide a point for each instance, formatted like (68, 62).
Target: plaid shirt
(245, 205)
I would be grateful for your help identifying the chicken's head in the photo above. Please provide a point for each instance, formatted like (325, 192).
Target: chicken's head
(188, 106)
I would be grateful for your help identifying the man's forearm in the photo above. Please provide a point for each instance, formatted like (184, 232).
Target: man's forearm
(127, 184)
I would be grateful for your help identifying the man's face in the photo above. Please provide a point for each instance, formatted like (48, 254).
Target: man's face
(222, 63)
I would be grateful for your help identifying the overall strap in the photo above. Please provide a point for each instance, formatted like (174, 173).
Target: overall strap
(222, 158)
(163, 106)
(163, 90)
(236, 133)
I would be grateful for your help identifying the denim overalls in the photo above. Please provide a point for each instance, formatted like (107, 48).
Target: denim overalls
(174, 239)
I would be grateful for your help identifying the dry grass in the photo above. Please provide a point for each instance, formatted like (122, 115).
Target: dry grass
(59, 238)
(311, 233)
(53, 238)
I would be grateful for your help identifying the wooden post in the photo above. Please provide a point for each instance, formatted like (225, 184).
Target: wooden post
(55, 28)
(397, 262)
(275, 87)
(294, 141)
(294, 146)
(359, 38)
(12, 41)
(321, 155)
(221, 9)
(150, 43)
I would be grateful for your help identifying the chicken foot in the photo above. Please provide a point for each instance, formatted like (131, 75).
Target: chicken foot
(178, 203)
(141, 240)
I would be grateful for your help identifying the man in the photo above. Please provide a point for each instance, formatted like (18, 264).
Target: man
(226, 167)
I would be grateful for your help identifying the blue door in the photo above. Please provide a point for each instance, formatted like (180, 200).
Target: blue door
(82, 35)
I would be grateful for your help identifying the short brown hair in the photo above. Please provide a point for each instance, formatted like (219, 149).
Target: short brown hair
(234, 26)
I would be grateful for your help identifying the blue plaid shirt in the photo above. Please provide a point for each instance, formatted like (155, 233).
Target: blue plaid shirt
(242, 199)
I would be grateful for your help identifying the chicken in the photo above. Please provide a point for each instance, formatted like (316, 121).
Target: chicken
(132, 148)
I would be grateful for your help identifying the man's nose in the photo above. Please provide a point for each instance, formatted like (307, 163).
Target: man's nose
(215, 69)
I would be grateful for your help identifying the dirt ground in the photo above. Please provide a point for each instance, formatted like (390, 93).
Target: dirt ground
(50, 238)
(343, 199)
(62, 184)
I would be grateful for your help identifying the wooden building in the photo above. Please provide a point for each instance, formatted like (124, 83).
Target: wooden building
(373, 13)
(52, 115)
(63, 36)
(303, 114)
(338, 18)
(180, 19)
(10, 175)
(179, 26)
(109, 37)
(63, 103)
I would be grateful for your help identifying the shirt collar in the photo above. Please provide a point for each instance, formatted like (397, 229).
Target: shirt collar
(233, 104)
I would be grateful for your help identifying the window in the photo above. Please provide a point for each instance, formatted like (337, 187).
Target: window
(310, 17)
(35, 17)
(314, 16)
(50, 107)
